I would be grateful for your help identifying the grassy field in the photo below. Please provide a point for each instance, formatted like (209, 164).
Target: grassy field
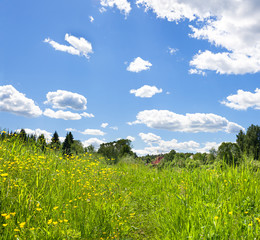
(48, 196)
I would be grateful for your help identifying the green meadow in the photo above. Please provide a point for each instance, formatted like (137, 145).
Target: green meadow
(46, 195)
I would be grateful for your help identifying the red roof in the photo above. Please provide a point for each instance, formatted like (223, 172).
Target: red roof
(157, 160)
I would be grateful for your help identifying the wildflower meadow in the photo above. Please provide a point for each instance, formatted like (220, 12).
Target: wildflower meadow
(47, 195)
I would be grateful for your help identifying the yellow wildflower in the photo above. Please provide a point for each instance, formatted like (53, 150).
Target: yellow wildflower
(22, 224)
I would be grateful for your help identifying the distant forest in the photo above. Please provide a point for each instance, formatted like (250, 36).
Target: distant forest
(247, 145)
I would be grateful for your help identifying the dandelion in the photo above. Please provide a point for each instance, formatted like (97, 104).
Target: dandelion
(16, 230)
(55, 223)
(22, 224)
(49, 221)
(216, 217)
(230, 213)
(38, 209)
(55, 208)
(5, 224)
(4, 174)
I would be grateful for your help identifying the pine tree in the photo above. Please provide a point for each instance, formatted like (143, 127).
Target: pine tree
(55, 141)
(66, 146)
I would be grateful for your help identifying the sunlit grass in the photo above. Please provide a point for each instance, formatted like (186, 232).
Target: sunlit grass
(48, 196)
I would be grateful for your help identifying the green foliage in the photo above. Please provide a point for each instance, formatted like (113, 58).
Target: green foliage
(229, 152)
(67, 144)
(77, 147)
(90, 149)
(249, 142)
(112, 151)
(41, 142)
(45, 195)
(55, 142)
(169, 157)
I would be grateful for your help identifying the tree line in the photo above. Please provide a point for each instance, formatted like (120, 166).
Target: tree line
(247, 144)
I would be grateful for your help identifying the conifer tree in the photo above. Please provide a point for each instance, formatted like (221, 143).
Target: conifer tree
(66, 146)
(55, 141)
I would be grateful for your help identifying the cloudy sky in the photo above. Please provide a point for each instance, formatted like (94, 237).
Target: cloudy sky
(166, 74)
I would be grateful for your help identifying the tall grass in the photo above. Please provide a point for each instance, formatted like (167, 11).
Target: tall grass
(48, 196)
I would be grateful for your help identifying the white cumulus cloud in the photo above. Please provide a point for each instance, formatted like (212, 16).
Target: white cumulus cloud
(66, 115)
(156, 145)
(243, 100)
(139, 65)
(130, 138)
(104, 125)
(15, 102)
(232, 25)
(150, 138)
(196, 122)
(71, 130)
(87, 115)
(62, 99)
(78, 46)
(146, 91)
(37, 132)
(93, 141)
(96, 132)
(123, 5)
(196, 71)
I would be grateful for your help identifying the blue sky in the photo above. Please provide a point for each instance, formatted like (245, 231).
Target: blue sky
(167, 74)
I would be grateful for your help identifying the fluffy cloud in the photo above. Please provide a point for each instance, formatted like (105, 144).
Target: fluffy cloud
(123, 5)
(104, 125)
(196, 71)
(138, 65)
(78, 46)
(146, 91)
(71, 130)
(149, 138)
(243, 100)
(156, 145)
(62, 99)
(232, 25)
(66, 115)
(197, 122)
(15, 102)
(130, 138)
(92, 141)
(96, 132)
(87, 115)
(37, 132)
